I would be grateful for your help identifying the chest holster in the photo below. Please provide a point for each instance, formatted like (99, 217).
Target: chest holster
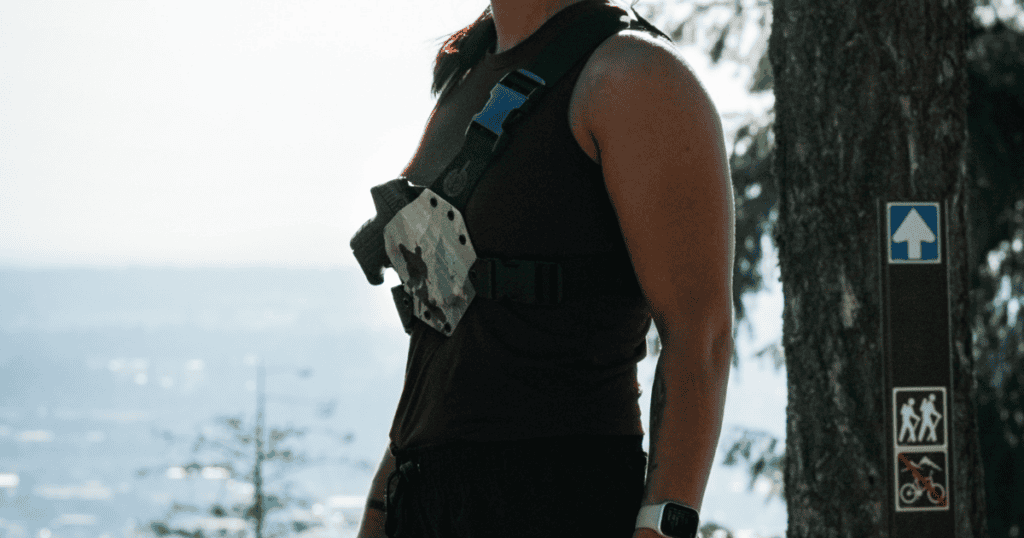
(513, 97)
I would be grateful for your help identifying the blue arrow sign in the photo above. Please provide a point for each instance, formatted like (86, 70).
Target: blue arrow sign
(914, 232)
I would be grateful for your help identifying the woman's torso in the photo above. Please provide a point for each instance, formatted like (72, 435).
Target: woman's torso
(513, 370)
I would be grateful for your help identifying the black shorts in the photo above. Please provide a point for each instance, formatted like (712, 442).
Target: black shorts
(585, 486)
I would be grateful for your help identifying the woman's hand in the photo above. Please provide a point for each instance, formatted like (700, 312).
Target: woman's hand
(372, 525)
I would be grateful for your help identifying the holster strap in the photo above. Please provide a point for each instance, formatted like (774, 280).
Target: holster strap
(403, 303)
(537, 282)
(524, 281)
(551, 282)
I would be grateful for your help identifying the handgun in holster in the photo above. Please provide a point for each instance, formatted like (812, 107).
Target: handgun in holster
(368, 242)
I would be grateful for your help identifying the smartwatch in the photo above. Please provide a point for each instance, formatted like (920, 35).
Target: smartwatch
(669, 519)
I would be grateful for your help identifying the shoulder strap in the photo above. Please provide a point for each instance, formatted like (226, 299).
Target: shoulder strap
(515, 95)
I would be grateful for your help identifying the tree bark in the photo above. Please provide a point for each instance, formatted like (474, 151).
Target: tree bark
(871, 101)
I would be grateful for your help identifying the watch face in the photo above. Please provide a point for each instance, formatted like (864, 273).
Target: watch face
(679, 521)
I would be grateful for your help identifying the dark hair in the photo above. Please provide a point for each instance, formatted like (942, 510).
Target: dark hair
(464, 49)
(461, 51)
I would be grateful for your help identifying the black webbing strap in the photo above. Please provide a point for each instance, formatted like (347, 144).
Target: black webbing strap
(514, 96)
(537, 282)
(549, 283)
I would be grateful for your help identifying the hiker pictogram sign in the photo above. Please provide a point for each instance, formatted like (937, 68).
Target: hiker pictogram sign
(919, 417)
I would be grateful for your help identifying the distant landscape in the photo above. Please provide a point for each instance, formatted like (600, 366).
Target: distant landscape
(108, 377)
(95, 365)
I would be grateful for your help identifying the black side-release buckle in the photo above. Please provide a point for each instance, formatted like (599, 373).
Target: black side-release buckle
(523, 281)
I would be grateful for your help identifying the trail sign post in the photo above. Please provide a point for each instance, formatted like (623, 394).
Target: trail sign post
(918, 367)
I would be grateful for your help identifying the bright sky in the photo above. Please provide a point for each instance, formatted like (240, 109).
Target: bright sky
(221, 132)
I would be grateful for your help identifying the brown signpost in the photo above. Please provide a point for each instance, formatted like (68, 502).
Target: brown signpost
(918, 372)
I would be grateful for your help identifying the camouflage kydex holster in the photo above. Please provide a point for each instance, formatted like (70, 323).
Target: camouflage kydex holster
(430, 249)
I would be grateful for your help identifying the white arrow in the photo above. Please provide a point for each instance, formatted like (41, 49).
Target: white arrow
(914, 231)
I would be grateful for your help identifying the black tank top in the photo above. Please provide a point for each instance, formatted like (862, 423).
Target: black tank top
(513, 371)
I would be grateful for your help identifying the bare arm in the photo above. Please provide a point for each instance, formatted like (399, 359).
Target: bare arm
(373, 519)
(666, 170)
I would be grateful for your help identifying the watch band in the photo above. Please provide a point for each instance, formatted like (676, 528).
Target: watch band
(650, 517)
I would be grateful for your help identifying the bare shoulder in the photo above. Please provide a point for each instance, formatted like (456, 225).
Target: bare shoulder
(632, 46)
(634, 64)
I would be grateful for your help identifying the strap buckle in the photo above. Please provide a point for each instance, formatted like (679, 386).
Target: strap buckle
(505, 104)
(534, 282)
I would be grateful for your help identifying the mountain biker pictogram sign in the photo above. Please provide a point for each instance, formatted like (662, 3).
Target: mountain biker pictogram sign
(911, 494)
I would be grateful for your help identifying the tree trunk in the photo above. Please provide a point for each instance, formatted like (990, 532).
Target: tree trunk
(870, 102)
(258, 470)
